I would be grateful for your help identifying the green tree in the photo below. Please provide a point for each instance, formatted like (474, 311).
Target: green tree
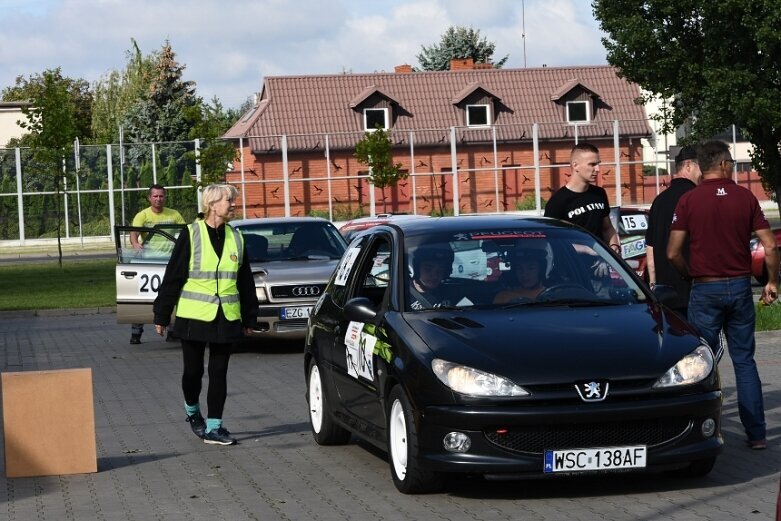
(209, 122)
(78, 95)
(375, 151)
(458, 43)
(718, 61)
(117, 91)
(160, 114)
(53, 126)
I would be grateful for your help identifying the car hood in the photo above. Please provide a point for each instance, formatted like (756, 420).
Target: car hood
(549, 345)
(293, 272)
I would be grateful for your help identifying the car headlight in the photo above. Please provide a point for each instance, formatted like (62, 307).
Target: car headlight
(690, 369)
(261, 293)
(467, 380)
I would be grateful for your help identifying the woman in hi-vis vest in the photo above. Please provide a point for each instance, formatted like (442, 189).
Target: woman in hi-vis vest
(209, 281)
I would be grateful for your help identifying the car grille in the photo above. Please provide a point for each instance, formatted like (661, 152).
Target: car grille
(536, 439)
(307, 291)
(287, 326)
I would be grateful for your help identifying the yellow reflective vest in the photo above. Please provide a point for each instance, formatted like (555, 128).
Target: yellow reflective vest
(211, 280)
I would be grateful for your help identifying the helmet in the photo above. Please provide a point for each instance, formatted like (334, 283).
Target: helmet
(439, 253)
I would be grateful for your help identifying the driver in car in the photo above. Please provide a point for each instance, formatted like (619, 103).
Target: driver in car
(527, 268)
(431, 264)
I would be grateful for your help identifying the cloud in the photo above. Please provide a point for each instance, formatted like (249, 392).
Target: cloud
(229, 46)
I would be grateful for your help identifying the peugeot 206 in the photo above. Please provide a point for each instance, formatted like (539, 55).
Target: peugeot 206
(565, 363)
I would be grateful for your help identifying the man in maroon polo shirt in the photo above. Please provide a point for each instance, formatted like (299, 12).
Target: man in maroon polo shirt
(718, 218)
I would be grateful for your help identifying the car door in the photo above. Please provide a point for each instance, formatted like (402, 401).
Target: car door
(138, 273)
(356, 362)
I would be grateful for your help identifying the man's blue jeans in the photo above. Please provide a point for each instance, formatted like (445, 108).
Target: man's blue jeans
(729, 304)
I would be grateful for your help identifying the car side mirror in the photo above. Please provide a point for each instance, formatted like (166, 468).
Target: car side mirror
(360, 309)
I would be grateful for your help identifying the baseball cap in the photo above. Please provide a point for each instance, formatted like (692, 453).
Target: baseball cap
(686, 153)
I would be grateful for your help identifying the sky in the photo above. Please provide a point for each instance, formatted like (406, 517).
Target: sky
(229, 46)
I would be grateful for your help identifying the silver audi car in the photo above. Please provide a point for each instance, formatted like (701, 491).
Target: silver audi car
(292, 259)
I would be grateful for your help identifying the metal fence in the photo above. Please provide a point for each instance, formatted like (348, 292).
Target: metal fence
(104, 185)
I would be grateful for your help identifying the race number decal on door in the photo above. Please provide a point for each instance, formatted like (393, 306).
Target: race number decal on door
(359, 351)
(148, 283)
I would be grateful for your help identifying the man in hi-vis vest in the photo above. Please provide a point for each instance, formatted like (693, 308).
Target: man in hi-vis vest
(209, 281)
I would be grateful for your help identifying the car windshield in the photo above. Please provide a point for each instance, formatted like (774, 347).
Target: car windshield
(285, 241)
(515, 268)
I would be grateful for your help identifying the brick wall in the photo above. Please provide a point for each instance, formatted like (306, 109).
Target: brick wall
(485, 183)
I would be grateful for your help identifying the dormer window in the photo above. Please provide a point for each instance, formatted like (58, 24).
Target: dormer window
(374, 117)
(477, 115)
(578, 112)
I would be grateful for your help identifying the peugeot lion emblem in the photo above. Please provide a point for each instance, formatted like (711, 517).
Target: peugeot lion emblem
(592, 391)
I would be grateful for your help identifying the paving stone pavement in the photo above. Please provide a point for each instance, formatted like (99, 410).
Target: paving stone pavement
(150, 466)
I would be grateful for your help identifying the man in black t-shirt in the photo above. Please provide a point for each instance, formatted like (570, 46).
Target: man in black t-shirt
(580, 201)
(660, 271)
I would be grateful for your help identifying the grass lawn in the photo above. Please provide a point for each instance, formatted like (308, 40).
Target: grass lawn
(43, 285)
(90, 283)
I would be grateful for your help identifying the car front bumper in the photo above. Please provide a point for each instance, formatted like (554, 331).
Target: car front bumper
(513, 440)
(271, 325)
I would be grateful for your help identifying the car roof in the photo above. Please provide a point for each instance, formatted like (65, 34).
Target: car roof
(275, 220)
(412, 227)
(380, 218)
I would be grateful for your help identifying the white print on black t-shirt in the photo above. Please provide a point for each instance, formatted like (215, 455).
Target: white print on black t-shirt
(584, 209)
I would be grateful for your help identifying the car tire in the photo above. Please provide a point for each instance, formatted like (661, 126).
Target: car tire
(695, 469)
(324, 429)
(408, 475)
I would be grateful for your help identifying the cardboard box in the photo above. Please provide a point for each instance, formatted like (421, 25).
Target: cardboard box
(48, 423)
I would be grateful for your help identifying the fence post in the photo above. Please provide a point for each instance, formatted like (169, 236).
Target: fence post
(412, 171)
(19, 198)
(243, 182)
(65, 199)
(617, 158)
(536, 147)
(110, 173)
(77, 164)
(154, 165)
(328, 177)
(496, 172)
(454, 166)
(199, 192)
(285, 177)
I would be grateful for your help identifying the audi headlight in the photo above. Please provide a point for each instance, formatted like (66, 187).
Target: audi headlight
(690, 369)
(467, 380)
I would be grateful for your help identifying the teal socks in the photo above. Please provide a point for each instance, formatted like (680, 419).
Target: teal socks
(192, 409)
(212, 424)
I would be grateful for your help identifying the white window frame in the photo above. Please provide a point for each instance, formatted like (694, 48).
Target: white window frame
(487, 115)
(588, 111)
(365, 118)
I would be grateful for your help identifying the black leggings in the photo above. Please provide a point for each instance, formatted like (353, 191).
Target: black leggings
(219, 354)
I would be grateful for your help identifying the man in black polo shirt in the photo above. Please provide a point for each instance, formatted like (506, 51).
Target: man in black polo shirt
(581, 201)
(717, 218)
(660, 271)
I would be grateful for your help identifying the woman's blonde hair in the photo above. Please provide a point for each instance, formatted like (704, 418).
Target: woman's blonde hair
(213, 193)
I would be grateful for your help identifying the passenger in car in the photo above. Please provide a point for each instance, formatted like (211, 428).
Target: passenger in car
(431, 264)
(527, 267)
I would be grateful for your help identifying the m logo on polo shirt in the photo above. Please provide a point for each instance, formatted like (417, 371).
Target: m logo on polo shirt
(721, 191)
